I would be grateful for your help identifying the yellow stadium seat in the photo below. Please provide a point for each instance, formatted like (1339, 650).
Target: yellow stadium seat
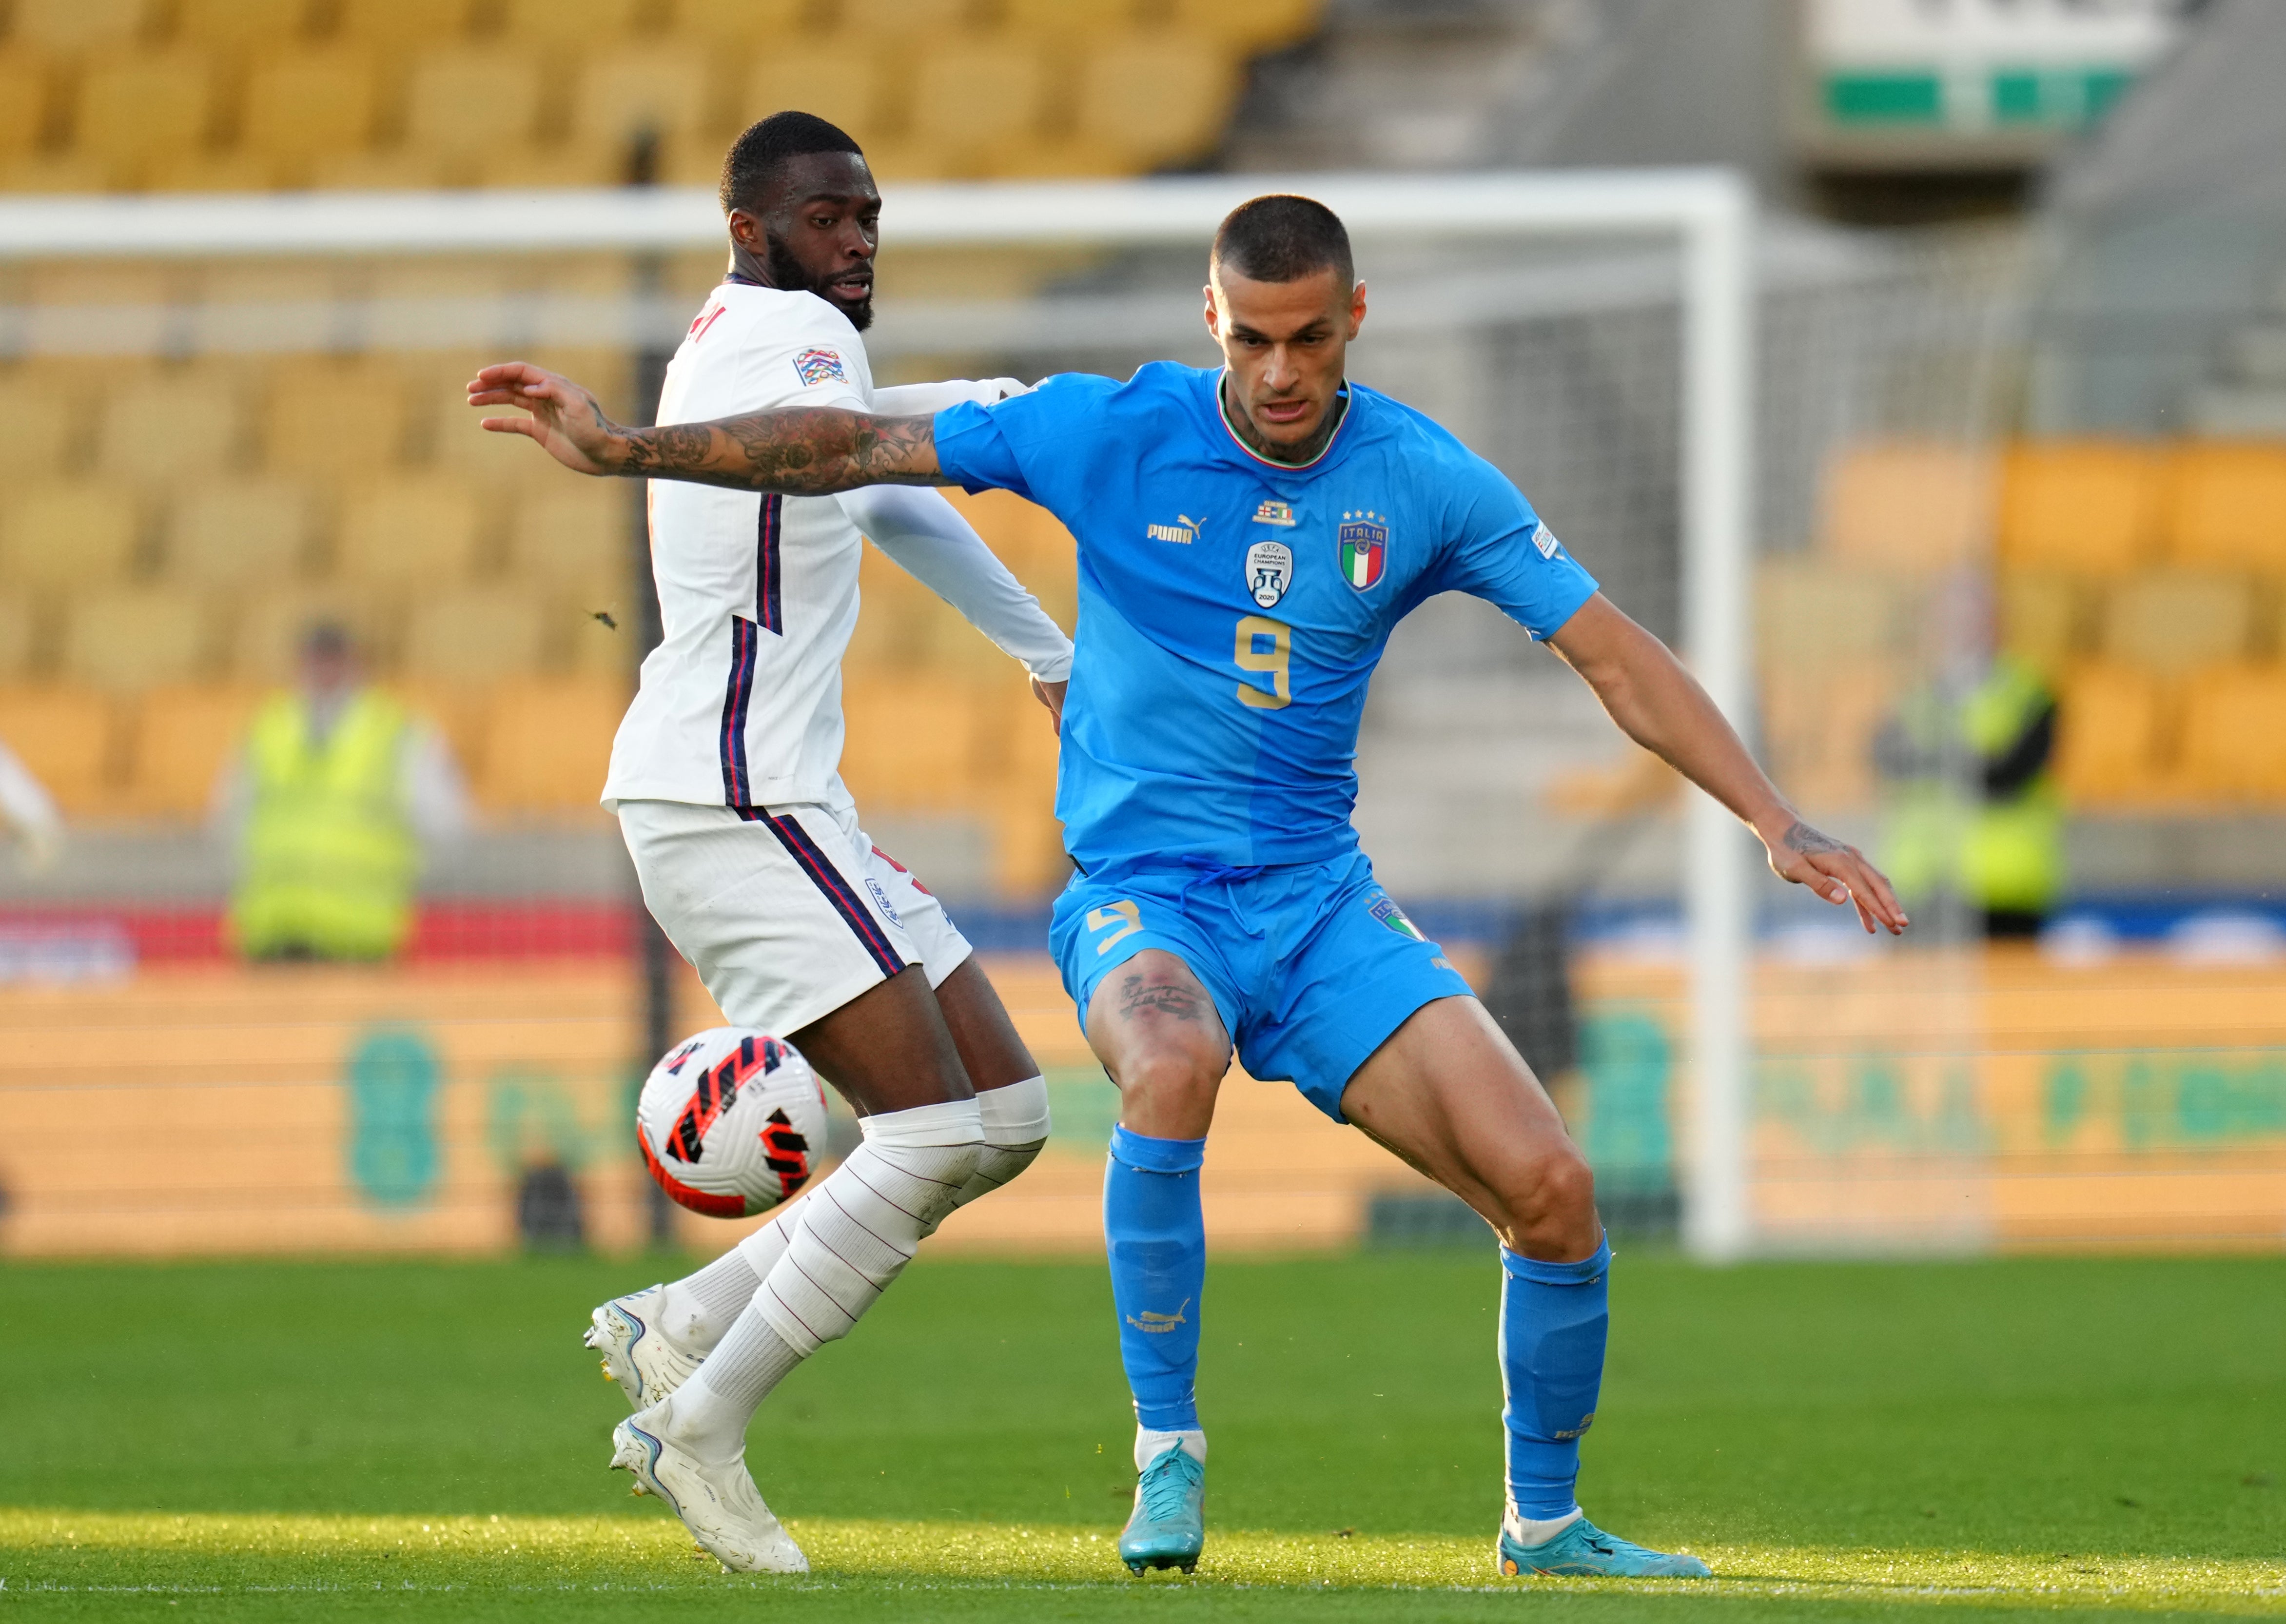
(67, 536)
(1820, 727)
(337, 416)
(267, 632)
(1155, 97)
(575, 24)
(2082, 507)
(417, 531)
(182, 738)
(23, 102)
(2043, 618)
(2109, 735)
(2227, 508)
(472, 100)
(736, 22)
(901, 21)
(38, 424)
(133, 638)
(50, 173)
(135, 108)
(76, 25)
(573, 534)
(403, 25)
(18, 632)
(1252, 24)
(306, 106)
(478, 635)
(1811, 614)
(661, 89)
(839, 86)
(2235, 733)
(974, 102)
(204, 170)
(547, 742)
(1070, 16)
(64, 737)
(912, 743)
(184, 422)
(1911, 507)
(242, 25)
(2169, 621)
(238, 533)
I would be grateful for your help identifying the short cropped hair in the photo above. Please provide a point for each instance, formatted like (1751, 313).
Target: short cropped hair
(763, 148)
(1282, 239)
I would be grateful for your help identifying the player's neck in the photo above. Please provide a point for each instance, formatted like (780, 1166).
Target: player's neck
(1307, 451)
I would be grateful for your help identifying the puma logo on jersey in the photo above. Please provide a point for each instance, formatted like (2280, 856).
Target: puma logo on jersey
(1182, 533)
(1158, 1325)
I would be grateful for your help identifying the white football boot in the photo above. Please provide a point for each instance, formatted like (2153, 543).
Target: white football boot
(638, 1353)
(719, 1503)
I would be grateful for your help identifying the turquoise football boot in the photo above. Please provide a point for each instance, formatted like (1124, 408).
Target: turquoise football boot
(1169, 1526)
(1583, 1550)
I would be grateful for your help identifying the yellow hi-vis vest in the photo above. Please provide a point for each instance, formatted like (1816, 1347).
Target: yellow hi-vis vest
(330, 855)
(2001, 853)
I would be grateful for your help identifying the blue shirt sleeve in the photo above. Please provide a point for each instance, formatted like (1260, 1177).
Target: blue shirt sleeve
(1496, 548)
(1036, 444)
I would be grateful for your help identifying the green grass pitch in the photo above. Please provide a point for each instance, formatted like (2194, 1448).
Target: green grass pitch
(285, 1441)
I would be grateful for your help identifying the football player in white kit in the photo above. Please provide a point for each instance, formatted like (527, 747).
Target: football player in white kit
(725, 779)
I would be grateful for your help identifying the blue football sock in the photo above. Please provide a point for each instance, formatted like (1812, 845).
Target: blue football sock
(1157, 1244)
(1553, 1321)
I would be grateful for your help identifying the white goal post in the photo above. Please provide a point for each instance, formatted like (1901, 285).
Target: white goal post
(1708, 213)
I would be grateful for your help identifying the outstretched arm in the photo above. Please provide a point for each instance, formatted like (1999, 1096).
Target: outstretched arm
(797, 452)
(1662, 707)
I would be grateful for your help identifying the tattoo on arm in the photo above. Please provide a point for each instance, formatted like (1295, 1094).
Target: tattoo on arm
(1810, 842)
(800, 452)
(1135, 997)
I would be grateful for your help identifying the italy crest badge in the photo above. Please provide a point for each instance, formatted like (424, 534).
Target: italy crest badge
(1365, 549)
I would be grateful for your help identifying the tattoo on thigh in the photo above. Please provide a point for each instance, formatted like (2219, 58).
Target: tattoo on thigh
(1135, 996)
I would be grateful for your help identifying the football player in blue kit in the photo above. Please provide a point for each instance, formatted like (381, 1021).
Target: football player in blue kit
(1248, 536)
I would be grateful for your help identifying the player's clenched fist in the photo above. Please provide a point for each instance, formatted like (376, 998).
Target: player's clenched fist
(565, 418)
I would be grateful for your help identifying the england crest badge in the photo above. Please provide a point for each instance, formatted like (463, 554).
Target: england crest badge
(1269, 572)
(1365, 549)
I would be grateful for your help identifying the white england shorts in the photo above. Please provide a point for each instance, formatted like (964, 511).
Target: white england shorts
(786, 912)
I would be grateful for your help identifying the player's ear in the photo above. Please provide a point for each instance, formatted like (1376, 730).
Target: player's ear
(746, 230)
(1214, 317)
(1357, 309)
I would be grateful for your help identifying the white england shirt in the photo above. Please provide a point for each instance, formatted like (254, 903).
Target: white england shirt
(740, 705)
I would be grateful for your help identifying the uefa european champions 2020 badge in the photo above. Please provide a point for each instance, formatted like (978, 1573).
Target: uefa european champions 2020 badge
(1269, 572)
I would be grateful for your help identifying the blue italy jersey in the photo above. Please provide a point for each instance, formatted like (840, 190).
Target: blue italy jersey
(1232, 609)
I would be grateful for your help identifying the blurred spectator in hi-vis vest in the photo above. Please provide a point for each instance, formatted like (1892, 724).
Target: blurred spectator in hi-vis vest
(329, 804)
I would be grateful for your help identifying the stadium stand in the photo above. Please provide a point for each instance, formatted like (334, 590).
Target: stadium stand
(174, 524)
(2148, 580)
(206, 94)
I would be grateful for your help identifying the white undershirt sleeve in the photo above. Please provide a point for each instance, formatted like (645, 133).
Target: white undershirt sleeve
(929, 539)
(927, 399)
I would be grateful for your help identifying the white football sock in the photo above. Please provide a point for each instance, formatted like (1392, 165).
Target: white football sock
(701, 1308)
(858, 1230)
(864, 1223)
(1150, 1446)
(698, 1309)
(1016, 1124)
(1528, 1531)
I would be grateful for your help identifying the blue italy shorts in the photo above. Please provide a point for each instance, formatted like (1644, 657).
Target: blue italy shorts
(1311, 964)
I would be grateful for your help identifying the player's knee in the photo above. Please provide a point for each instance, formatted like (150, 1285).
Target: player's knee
(1551, 1200)
(1169, 1090)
